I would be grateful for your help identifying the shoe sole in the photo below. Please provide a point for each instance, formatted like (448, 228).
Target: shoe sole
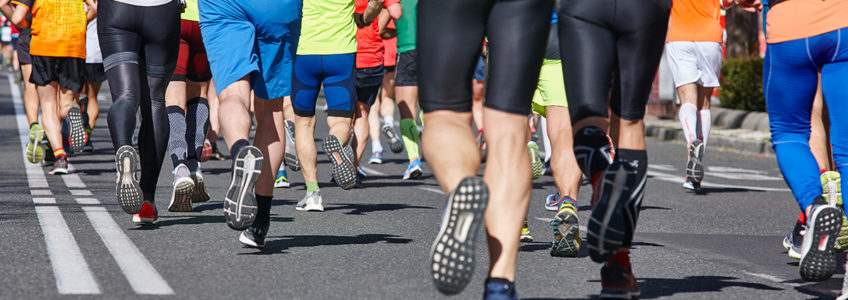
(291, 152)
(249, 243)
(58, 171)
(618, 294)
(536, 163)
(76, 134)
(200, 192)
(128, 190)
(415, 174)
(394, 142)
(607, 228)
(566, 232)
(526, 238)
(34, 150)
(282, 184)
(145, 221)
(181, 195)
(342, 166)
(452, 253)
(375, 161)
(311, 207)
(818, 262)
(694, 168)
(240, 203)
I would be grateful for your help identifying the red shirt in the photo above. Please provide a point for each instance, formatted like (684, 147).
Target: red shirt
(370, 49)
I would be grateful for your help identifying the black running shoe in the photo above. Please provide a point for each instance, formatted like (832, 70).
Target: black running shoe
(608, 226)
(240, 202)
(254, 237)
(452, 253)
(818, 262)
(77, 135)
(343, 170)
(127, 188)
(394, 142)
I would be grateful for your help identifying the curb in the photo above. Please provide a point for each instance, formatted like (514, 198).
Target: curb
(734, 144)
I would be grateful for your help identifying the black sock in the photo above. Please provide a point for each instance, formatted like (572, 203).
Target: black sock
(638, 159)
(263, 214)
(592, 149)
(234, 150)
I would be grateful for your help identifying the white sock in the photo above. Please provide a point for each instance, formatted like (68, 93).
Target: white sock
(389, 120)
(545, 140)
(688, 115)
(706, 123)
(376, 146)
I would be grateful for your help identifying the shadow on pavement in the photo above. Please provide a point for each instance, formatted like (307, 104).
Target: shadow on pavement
(362, 209)
(193, 220)
(278, 244)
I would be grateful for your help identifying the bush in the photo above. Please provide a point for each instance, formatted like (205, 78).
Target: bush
(742, 84)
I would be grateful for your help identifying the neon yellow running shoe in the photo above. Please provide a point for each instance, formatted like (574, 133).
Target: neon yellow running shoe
(535, 162)
(566, 230)
(34, 150)
(525, 233)
(832, 192)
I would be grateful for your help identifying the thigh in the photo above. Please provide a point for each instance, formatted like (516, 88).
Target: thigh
(277, 24)
(117, 31)
(682, 61)
(450, 34)
(789, 86)
(161, 36)
(833, 78)
(709, 63)
(306, 82)
(198, 63)
(339, 84)
(229, 38)
(44, 70)
(183, 57)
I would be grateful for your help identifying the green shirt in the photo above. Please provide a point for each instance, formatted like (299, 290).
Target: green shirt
(327, 28)
(190, 13)
(406, 26)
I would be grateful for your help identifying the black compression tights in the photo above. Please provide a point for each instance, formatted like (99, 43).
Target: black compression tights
(129, 93)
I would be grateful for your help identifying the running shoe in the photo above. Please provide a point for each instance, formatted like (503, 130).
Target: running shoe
(200, 192)
(552, 202)
(548, 170)
(60, 167)
(535, 161)
(452, 253)
(376, 158)
(89, 146)
(183, 190)
(343, 170)
(481, 143)
(282, 180)
(240, 202)
(148, 214)
(76, 136)
(394, 141)
(216, 154)
(525, 233)
(817, 260)
(832, 192)
(413, 170)
(499, 289)
(793, 240)
(127, 188)
(687, 184)
(291, 151)
(361, 172)
(566, 226)
(607, 225)
(254, 236)
(34, 150)
(694, 167)
(311, 202)
(618, 282)
(206, 152)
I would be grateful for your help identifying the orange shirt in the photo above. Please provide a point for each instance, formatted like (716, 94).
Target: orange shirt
(58, 27)
(797, 19)
(695, 21)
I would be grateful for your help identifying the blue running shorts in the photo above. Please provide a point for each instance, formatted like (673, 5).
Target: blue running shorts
(336, 73)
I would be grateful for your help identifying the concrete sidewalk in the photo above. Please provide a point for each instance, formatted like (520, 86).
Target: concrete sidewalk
(736, 130)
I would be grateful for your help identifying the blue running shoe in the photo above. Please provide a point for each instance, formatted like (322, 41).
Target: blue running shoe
(361, 172)
(413, 170)
(553, 201)
(499, 289)
(376, 158)
(282, 180)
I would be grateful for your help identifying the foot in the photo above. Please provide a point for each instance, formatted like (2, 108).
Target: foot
(34, 150)
(394, 141)
(452, 253)
(89, 146)
(690, 185)
(147, 215)
(60, 167)
(183, 190)
(608, 224)
(817, 260)
(240, 202)
(618, 282)
(525, 233)
(254, 237)
(343, 170)
(77, 136)
(552, 202)
(832, 192)
(566, 226)
(694, 168)
(206, 153)
(499, 289)
(793, 240)
(535, 162)
(127, 188)
(311, 202)
(376, 158)
(200, 192)
(291, 152)
(282, 180)
(413, 170)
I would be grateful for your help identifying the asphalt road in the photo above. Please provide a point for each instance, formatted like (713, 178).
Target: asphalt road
(65, 236)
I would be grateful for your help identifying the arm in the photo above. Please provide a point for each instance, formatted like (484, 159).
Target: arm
(91, 14)
(16, 15)
(383, 21)
(395, 11)
(371, 11)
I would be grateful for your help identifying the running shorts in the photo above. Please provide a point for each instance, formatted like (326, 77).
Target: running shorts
(337, 75)
(406, 69)
(67, 71)
(256, 38)
(23, 47)
(191, 62)
(449, 36)
(551, 88)
(368, 83)
(698, 62)
(94, 73)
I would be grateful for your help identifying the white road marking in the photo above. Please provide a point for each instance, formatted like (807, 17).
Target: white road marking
(73, 276)
(662, 167)
(434, 190)
(771, 278)
(679, 179)
(81, 193)
(87, 201)
(72, 180)
(139, 272)
(41, 192)
(372, 171)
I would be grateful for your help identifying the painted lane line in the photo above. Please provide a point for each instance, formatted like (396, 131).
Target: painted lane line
(87, 201)
(372, 171)
(41, 192)
(434, 190)
(679, 179)
(772, 278)
(73, 276)
(81, 193)
(72, 179)
(143, 278)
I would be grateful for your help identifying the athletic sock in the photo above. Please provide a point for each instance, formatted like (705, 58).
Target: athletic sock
(376, 146)
(197, 123)
(59, 153)
(688, 116)
(638, 159)
(389, 121)
(176, 140)
(33, 124)
(545, 139)
(312, 187)
(263, 213)
(706, 123)
(234, 150)
(409, 133)
(592, 149)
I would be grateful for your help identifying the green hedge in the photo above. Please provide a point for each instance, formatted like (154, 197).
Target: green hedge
(742, 84)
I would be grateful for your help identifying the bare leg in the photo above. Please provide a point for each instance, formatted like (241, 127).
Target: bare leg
(450, 130)
(214, 125)
(31, 103)
(360, 130)
(270, 140)
(304, 142)
(374, 121)
(235, 102)
(387, 94)
(566, 171)
(478, 91)
(50, 120)
(93, 108)
(819, 143)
